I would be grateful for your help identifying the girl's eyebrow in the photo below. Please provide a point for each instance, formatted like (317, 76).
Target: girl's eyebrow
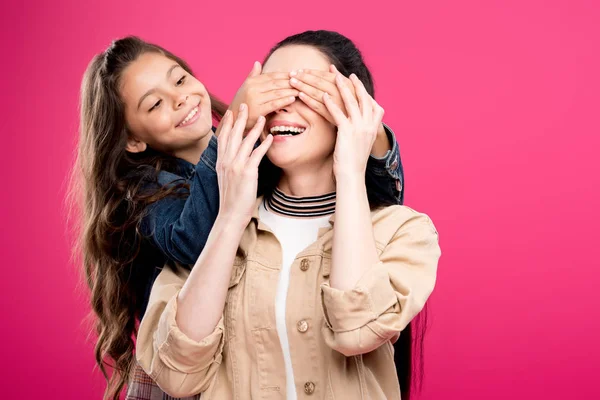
(149, 92)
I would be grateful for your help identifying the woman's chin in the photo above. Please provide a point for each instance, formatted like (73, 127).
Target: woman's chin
(281, 160)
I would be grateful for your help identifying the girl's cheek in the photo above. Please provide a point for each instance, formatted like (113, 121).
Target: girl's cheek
(163, 123)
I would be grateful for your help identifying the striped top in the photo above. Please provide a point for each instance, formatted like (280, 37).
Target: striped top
(301, 207)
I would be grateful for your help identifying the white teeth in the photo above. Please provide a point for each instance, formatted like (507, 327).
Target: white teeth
(190, 115)
(292, 129)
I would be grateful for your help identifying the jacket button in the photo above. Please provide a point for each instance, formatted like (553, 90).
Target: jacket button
(304, 264)
(302, 326)
(309, 388)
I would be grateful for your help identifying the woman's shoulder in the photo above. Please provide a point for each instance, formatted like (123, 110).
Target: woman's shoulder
(397, 217)
(398, 212)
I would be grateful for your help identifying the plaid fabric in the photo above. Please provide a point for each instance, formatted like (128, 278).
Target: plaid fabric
(142, 387)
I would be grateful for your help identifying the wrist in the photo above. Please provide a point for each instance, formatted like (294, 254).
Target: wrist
(350, 171)
(233, 222)
(382, 144)
(350, 182)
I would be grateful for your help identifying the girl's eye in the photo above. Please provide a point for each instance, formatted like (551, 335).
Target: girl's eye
(155, 105)
(180, 81)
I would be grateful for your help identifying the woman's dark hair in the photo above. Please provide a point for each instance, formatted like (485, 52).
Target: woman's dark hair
(346, 57)
(112, 185)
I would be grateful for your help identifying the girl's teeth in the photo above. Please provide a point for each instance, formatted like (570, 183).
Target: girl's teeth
(190, 115)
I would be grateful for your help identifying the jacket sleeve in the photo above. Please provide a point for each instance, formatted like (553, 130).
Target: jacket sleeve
(179, 365)
(180, 226)
(387, 173)
(388, 296)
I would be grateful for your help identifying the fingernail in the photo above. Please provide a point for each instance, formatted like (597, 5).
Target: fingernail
(293, 73)
(301, 94)
(338, 78)
(353, 76)
(294, 80)
(261, 118)
(242, 107)
(292, 98)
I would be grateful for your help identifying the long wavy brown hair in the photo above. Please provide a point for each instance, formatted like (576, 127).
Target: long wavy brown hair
(112, 186)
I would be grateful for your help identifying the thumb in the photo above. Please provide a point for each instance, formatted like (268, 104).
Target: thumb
(256, 70)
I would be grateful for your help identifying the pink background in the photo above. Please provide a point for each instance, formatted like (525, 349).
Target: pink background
(495, 104)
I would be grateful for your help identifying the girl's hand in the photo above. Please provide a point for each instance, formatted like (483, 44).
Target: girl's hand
(263, 94)
(356, 131)
(313, 84)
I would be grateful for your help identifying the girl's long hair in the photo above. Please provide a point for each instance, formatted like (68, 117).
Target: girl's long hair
(112, 186)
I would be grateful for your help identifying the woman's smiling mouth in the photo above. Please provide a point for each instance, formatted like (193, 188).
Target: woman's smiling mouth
(284, 128)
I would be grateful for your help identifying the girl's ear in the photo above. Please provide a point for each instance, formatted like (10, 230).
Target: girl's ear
(135, 146)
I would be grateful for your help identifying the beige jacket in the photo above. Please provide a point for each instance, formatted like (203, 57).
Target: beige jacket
(340, 341)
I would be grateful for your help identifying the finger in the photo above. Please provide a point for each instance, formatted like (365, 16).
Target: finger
(237, 132)
(223, 133)
(250, 139)
(277, 94)
(259, 152)
(349, 100)
(274, 84)
(337, 114)
(326, 83)
(222, 124)
(316, 106)
(378, 113)
(333, 69)
(364, 99)
(326, 75)
(272, 75)
(349, 84)
(315, 89)
(256, 70)
(275, 105)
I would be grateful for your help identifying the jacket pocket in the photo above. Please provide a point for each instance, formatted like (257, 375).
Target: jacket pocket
(343, 378)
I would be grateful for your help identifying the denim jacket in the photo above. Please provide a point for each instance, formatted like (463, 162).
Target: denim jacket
(177, 228)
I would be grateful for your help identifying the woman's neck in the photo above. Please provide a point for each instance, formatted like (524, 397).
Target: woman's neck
(309, 181)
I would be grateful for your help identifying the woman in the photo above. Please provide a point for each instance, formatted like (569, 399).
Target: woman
(147, 159)
(294, 299)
